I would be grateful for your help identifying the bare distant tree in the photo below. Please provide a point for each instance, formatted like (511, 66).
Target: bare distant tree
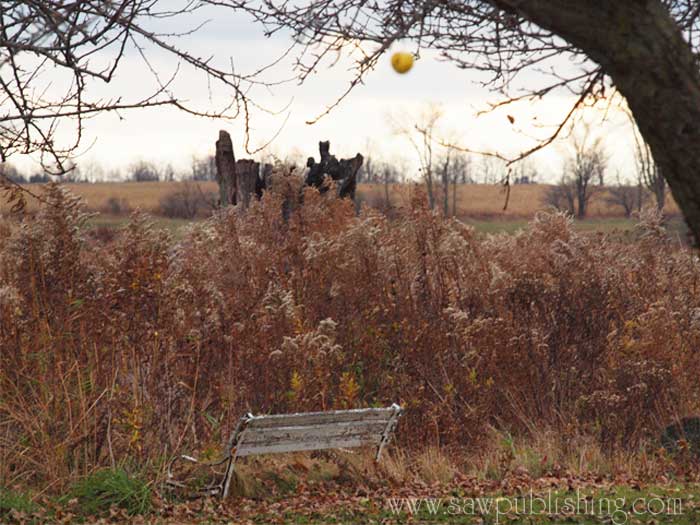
(11, 173)
(626, 196)
(421, 132)
(649, 172)
(39, 178)
(368, 172)
(445, 172)
(144, 171)
(583, 176)
(74, 173)
(390, 173)
(524, 172)
(460, 174)
(92, 170)
(187, 202)
(562, 196)
(453, 166)
(203, 168)
(387, 173)
(585, 167)
(492, 169)
(287, 159)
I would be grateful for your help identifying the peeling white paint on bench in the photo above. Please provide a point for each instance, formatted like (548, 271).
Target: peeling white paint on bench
(312, 418)
(311, 433)
(317, 444)
(268, 434)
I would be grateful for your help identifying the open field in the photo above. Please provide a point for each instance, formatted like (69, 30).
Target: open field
(480, 206)
(476, 201)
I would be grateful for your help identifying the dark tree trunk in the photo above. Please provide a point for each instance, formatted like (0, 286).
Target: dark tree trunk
(641, 47)
(429, 187)
(659, 189)
(454, 196)
(582, 196)
(225, 170)
(640, 196)
(387, 200)
(247, 177)
(446, 187)
(581, 214)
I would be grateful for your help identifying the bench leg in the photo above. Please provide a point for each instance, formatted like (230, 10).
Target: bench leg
(386, 435)
(226, 483)
(231, 449)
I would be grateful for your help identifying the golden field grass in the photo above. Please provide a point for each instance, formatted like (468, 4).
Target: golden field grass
(476, 201)
(487, 201)
(139, 195)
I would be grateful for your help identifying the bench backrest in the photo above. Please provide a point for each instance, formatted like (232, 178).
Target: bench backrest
(310, 431)
(313, 431)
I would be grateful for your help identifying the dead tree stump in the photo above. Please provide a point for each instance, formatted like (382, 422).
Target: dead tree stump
(226, 170)
(247, 175)
(240, 180)
(343, 170)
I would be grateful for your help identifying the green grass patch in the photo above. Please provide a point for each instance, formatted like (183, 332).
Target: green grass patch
(494, 226)
(620, 227)
(616, 226)
(116, 222)
(17, 501)
(108, 488)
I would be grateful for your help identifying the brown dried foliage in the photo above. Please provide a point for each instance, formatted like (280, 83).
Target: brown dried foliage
(145, 346)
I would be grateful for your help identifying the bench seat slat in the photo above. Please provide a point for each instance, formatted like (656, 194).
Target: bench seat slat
(311, 432)
(316, 418)
(247, 449)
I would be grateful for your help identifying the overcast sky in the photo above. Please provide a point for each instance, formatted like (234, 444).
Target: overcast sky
(360, 123)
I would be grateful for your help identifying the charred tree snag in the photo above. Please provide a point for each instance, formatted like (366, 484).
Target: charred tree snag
(264, 180)
(349, 167)
(242, 180)
(225, 170)
(343, 170)
(239, 180)
(247, 181)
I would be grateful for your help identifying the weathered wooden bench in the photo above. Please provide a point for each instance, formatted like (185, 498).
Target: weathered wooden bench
(306, 431)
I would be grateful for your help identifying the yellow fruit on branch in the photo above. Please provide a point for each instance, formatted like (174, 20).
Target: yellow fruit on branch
(402, 61)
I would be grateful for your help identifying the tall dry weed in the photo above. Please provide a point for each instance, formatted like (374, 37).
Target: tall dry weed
(149, 345)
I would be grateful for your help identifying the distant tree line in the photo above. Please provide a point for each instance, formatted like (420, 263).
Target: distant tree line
(440, 168)
(201, 169)
(584, 175)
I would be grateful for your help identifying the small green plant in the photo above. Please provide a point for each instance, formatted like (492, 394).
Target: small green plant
(17, 501)
(104, 489)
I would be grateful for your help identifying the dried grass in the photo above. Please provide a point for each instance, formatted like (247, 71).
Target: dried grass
(144, 346)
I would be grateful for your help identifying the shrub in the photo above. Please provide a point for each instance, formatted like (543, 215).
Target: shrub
(187, 202)
(116, 206)
(104, 489)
